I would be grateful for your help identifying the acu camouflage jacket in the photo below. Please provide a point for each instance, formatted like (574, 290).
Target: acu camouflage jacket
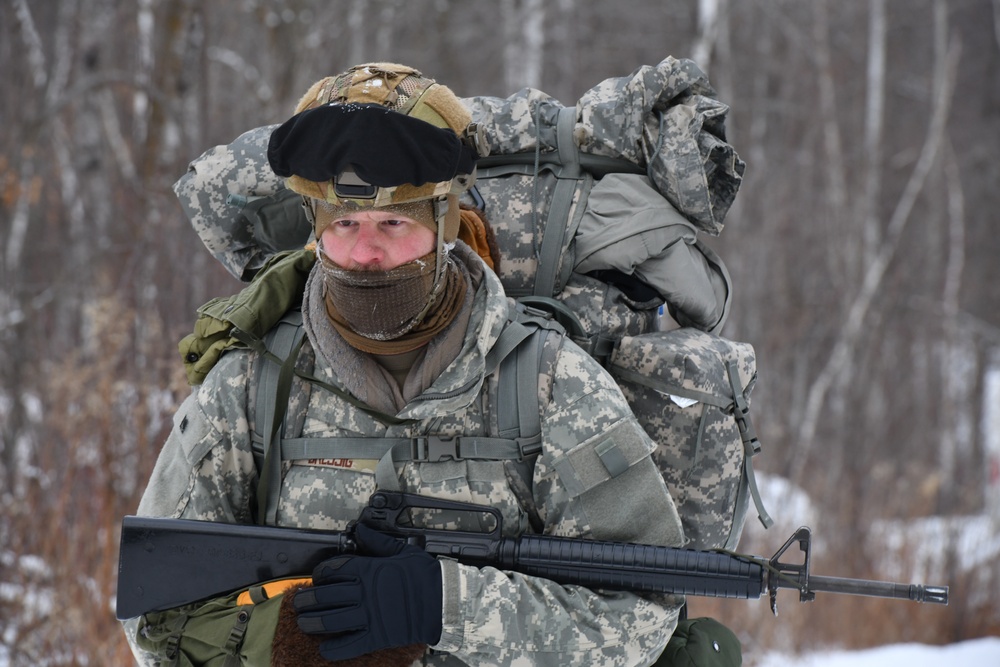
(206, 471)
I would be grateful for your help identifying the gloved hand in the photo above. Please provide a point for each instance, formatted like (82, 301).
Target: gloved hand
(388, 597)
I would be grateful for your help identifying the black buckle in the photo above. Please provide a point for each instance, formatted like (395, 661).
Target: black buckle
(748, 434)
(528, 446)
(435, 448)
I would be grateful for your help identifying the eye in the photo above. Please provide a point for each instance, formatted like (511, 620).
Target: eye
(394, 223)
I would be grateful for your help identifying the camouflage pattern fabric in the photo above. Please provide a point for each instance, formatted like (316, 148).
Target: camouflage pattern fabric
(518, 207)
(678, 385)
(665, 119)
(682, 136)
(206, 471)
(239, 168)
(605, 313)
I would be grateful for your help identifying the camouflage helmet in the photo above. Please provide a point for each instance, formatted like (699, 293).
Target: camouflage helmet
(425, 107)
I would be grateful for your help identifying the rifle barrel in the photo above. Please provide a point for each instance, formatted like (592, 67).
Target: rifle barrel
(880, 589)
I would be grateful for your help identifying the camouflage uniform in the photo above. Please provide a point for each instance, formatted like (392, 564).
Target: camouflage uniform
(206, 471)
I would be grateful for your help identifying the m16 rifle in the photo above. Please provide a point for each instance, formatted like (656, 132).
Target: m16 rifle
(168, 563)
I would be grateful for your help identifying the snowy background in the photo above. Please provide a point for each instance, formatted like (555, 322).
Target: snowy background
(975, 653)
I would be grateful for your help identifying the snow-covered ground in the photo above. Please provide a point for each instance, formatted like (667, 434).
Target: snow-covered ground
(983, 652)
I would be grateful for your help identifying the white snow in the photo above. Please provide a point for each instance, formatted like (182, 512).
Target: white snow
(984, 652)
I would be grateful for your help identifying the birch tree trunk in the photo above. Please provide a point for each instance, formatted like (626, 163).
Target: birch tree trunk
(15, 308)
(524, 43)
(833, 151)
(708, 25)
(874, 119)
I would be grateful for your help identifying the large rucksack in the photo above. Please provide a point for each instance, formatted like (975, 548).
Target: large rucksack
(597, 209)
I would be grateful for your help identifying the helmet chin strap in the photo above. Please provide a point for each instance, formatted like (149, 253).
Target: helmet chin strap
(440, 212)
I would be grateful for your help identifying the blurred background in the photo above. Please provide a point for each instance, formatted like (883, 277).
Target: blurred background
(862, 246)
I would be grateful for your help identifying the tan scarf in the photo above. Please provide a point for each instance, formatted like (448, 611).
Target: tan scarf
(394, 311)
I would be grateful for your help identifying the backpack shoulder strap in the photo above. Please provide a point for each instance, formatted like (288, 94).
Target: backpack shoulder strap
(517, 409)
(273, 387)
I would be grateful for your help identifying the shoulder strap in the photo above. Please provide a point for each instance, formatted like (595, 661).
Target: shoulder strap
(274, 385)
(518, 414)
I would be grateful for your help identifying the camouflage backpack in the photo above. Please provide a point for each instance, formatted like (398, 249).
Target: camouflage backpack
(598, 210)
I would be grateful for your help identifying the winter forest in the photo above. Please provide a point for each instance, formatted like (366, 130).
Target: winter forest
(862, 248)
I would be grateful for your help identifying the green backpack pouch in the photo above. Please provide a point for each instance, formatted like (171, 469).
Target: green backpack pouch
(217, 633)
(227, 322)
(701, 642)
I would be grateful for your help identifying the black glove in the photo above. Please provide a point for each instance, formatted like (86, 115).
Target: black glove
(389, 597)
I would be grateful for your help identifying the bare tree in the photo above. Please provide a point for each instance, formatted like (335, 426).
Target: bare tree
(832, 140)
(996, 20)
(946, 59)
(524, 39)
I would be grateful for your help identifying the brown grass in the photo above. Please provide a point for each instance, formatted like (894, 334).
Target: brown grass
(102, 431)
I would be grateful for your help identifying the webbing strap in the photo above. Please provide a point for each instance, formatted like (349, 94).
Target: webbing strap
(274, 388)
(508, 423)
(430, 448)
(528, 360)
(517, 406)
(509, 339)
(751, 445)
(559, 208)
(438, 448)
(236, 635)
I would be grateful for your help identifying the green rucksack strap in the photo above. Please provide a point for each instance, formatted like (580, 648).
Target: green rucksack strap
(751, 445)
(279, 352)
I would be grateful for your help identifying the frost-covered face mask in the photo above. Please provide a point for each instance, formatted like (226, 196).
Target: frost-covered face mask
(379, 305)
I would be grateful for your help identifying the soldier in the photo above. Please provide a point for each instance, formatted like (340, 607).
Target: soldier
(400, 316)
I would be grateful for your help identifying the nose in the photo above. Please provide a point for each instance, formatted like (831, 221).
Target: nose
(367, 249)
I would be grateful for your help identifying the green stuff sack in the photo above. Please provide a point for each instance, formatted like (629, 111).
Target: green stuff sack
(217, 633)
(701, 642)
(690, 390)
(276, 288)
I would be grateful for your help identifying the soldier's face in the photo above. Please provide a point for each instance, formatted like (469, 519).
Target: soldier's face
(375, 240)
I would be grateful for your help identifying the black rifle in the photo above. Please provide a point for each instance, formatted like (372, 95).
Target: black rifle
(167, 563)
